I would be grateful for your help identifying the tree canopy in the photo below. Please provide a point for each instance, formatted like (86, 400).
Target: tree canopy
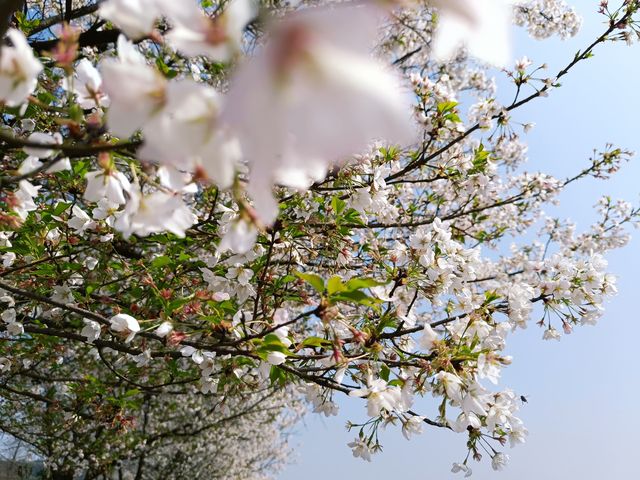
(215, 213)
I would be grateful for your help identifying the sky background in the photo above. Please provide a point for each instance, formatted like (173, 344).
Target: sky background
(583, 391)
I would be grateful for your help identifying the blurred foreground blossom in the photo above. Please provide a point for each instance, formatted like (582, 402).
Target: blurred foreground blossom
(134, 17)
(312, 98)
(480, 25)
(137, 90)
(19, 70)
(219, 39)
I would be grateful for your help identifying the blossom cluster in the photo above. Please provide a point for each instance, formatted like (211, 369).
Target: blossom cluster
(225, 208)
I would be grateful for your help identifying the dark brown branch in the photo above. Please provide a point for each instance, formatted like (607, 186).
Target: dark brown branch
(72, 15)
(7, 9)
(90, 38)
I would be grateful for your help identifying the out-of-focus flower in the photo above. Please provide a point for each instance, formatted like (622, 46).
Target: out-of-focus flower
(91, 330)
(313, 97)
(187, 134)
(164, 329)
(86, 83)
(19, 70)
(137, 90)
(156, 212)
(134, 17)
(480, 25)
(219, 39)
(239, 238)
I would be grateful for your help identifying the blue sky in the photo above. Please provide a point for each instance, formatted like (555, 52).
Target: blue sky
(583, 391)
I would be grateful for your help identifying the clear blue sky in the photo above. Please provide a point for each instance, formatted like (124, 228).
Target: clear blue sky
(583, 391)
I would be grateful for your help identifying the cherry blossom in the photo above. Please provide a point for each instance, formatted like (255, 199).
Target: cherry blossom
(80, 221)
(155, 212)
(329, 201)
(125, 325)
(19, 70)
(107, 184)
(91, 330)
(186, 134)
(361, 449)
(144, 95)
(499, 461)
(482, 26)
(313, 62)
(135, 17)
(87, 85)
(380, 396)
(218, 39)
(24, 199)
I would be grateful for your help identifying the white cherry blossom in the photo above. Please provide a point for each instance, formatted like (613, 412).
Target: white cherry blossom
(107, 184)
(361, 449)
(86, 84)
(91, 330)
(164, 329)
(136, 89)
(315, 62)
(429, 336)
(480, 25)
(126, 325)
(461, 467)
(80, 221)
(24, 197)
(19, 69)
(5, 364)
(218, 39)
(380, 397)
(135, 17)
(8, 259)
(156, 212)
(499, 461)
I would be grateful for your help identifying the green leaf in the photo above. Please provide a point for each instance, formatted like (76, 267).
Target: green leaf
(351, 216)
(312, 279)
(315, 342)
(338, 205)
(384, 372)
(60, 207)
(76, 114)
(334, 284)
(490, 296)
(359, 283)
(444, 107)
(386, 322)
(161, 261)
(277, 375)
(272, 338)
(356, 296)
